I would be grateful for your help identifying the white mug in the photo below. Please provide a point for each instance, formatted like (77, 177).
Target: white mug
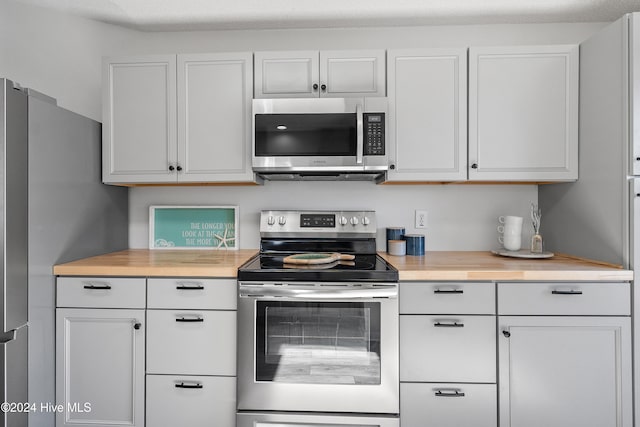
(511, 241)
(509, 219)
(511, 231)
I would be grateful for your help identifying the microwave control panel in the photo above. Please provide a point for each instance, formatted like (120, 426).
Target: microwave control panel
(373, 134)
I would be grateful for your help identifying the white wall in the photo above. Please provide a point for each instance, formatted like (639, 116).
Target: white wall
(60, 55)
(461, 217)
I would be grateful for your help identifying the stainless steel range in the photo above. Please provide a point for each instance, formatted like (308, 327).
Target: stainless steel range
(318, 340)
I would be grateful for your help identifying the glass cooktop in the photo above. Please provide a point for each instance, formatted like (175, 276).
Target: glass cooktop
(270, 267)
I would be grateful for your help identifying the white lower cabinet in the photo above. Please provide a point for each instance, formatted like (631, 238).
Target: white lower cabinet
(100, 367)
(565, 371)
(191, 352)
(556, 370)
(194, 401)
(447, 354)
(448, 405)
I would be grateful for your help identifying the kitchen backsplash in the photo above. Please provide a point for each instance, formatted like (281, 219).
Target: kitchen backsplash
(460, 217)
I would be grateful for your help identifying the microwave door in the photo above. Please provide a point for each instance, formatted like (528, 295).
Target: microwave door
(306, 140)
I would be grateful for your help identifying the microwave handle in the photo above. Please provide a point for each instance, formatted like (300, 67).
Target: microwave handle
(360, 135)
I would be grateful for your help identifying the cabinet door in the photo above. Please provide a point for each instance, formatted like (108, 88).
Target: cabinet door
(293, 74)
(448, 405)
(428, 114)
(191, 401)
(139, 119)
(523, 113)
(345, 73)
(202, 342)
(448, 348)
(565, 371)
(100, 363)
(214, 117)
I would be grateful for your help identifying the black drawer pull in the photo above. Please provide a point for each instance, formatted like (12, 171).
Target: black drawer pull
(507, 334)
(570, 292)
(98, 287)
(448, 291)
(183, 385)
(456, 393)
(137, 326)
(190, 286)
(190, 319)
(448, 325)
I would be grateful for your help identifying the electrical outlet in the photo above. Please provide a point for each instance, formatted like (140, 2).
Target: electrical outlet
(421, 219)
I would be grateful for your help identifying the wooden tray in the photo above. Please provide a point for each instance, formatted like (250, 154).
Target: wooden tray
(317, 258)
(522, 253)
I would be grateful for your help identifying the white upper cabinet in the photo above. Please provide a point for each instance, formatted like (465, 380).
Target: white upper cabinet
(139, 119)
(177, 119)
(214, 117)
(309, 74)
(428, 114)
(523, 113)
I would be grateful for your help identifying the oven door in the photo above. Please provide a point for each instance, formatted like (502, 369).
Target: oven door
(330, 349)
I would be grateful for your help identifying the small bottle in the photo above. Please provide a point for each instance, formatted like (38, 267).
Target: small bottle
(536, 244)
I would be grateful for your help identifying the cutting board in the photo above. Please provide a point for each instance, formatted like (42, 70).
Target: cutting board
(317, 258)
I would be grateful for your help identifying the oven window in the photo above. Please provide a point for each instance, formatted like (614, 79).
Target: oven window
(318, 342)
(305, 134)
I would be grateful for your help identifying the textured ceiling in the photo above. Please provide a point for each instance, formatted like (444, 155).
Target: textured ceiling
(178, 15)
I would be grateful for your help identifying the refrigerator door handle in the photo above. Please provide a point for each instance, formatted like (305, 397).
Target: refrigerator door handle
(5, 337)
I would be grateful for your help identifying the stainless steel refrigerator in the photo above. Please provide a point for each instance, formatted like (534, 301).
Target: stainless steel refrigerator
(54, 209)
(598, 216)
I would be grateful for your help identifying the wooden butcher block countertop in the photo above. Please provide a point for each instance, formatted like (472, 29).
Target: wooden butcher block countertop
(485, 266)
(163, 263)
(455, 265)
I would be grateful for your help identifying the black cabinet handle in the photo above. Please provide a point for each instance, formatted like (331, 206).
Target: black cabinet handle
(190, 319)
(179, 168)
(506, 333)
(448, 291)
(98, 287)
(569, 292)
(315, 86)
(392, 166)
(474, 166)
(183, 385)
(448, 325)
(323, 87)
(171, 168)
(137, 326)
(638, 159)
(185, 287)
(455, 393)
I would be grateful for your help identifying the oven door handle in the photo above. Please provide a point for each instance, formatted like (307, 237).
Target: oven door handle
(312, 294)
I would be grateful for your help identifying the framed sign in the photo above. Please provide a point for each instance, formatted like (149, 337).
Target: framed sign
(193, 227)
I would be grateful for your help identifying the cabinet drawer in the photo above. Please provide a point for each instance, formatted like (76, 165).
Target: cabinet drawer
(568, 298)
(448, 405)
(193, 401)
(101, 292)
(448, 348)
(186, 293)
(447, 297)
(191, 342)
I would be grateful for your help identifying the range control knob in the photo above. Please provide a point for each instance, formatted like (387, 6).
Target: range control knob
(343, 220)
(271, 220)
(282, 220)
(354, 221)
(366, 221)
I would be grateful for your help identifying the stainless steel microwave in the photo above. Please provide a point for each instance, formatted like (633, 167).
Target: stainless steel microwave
(320, 138)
